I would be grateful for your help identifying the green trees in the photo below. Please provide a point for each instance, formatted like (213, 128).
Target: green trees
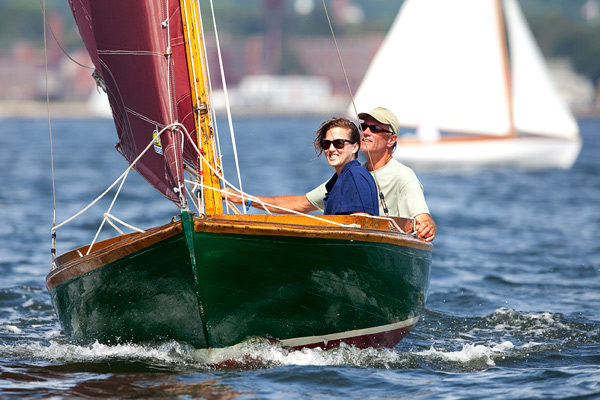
(558, 25)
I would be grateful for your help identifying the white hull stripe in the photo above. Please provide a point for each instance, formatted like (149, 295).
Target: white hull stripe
(302, 341)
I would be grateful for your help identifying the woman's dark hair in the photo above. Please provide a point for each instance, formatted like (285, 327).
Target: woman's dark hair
(336, 122)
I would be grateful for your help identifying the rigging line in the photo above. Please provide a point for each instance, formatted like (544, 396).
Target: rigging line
(339, 54)
(118, 179)
(288, 210)
(227, 105)
(56, 40)
(107, 212)
(53, 232)
(112, 217)
(218, 174)
(199, 22)
(340, 58)
(194, 189)
(112, 224)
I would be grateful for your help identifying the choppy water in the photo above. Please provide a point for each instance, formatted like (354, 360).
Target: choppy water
(513, 308)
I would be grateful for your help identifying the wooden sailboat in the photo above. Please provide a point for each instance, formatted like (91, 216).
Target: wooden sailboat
(215, 280)
(470, 68)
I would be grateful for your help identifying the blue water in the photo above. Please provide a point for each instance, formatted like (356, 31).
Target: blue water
(513, 308)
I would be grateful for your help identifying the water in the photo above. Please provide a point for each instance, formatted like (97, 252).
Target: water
(513, 308)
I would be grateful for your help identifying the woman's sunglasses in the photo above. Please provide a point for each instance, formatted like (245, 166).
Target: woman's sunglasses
(337, 143)
(374, 128)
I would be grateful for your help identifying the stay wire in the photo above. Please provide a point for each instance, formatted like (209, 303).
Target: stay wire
(57, 41)
(227, 104)
(53, 232)
(339, 54)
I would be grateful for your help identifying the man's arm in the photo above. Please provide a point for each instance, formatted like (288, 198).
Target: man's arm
(425, 227)
(294, 203)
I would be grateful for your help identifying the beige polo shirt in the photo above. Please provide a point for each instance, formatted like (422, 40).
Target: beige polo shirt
(401, 188)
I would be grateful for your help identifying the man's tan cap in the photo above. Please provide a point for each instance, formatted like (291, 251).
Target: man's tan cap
(384, 116)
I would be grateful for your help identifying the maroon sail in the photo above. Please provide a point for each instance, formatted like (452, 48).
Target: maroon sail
(138, 50)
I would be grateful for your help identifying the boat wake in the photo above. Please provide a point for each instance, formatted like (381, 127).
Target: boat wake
(440, 342)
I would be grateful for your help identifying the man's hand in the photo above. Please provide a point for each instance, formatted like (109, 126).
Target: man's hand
(425, 227)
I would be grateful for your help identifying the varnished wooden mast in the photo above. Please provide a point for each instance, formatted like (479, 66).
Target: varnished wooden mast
(200, 101)
(506, 67)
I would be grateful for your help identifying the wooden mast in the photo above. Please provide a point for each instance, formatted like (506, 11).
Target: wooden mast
(200, 102)
(506, 67)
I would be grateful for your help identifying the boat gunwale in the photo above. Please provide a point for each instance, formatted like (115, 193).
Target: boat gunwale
(73, 263)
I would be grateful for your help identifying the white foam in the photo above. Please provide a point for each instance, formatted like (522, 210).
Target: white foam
(172, 353)
(11, 329)
(28, 303)
(470, 353)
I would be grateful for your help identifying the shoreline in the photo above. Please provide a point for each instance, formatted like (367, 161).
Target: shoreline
(83, 110)
(39, 109)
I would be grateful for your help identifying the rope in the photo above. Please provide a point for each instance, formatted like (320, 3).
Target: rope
(227, 105)
(339, 54)
(110, 216)
(108, 212)
(106, 216)
(200, 34)
(282, 208)
(53, 233)
(219, 175)
(118, 179)
(56, 40)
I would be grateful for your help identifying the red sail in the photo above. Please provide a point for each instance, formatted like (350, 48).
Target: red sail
(129, 43)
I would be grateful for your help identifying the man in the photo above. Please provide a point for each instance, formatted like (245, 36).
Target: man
(402, 191)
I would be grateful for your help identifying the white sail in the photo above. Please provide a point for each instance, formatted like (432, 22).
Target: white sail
(538, 109)
(441, 65)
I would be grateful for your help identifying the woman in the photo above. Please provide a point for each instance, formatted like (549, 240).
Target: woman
(352, 188)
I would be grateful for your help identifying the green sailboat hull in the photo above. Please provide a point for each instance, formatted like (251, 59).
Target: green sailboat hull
(217, 287)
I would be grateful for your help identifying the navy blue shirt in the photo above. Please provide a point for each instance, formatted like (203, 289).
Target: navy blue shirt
(354, 190)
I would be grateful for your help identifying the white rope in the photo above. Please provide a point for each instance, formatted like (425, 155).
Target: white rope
(254, 198)
(110, 217)
(118, 179)
(108, 212)
(106, 216)
(226, 93)
(217, 173)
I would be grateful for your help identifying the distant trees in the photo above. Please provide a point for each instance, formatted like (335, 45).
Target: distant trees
(558, 25)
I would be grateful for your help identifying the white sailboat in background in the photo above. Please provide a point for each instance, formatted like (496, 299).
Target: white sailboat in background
(447, 66)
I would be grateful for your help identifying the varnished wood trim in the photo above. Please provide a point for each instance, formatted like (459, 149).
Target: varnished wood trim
(406, 224)
(72, 264)
(291, 226)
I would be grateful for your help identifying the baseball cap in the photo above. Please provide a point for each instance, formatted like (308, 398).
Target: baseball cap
(384, 116)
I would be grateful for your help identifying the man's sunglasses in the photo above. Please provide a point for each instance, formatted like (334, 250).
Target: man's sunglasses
(337, 143)
(374, 128)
